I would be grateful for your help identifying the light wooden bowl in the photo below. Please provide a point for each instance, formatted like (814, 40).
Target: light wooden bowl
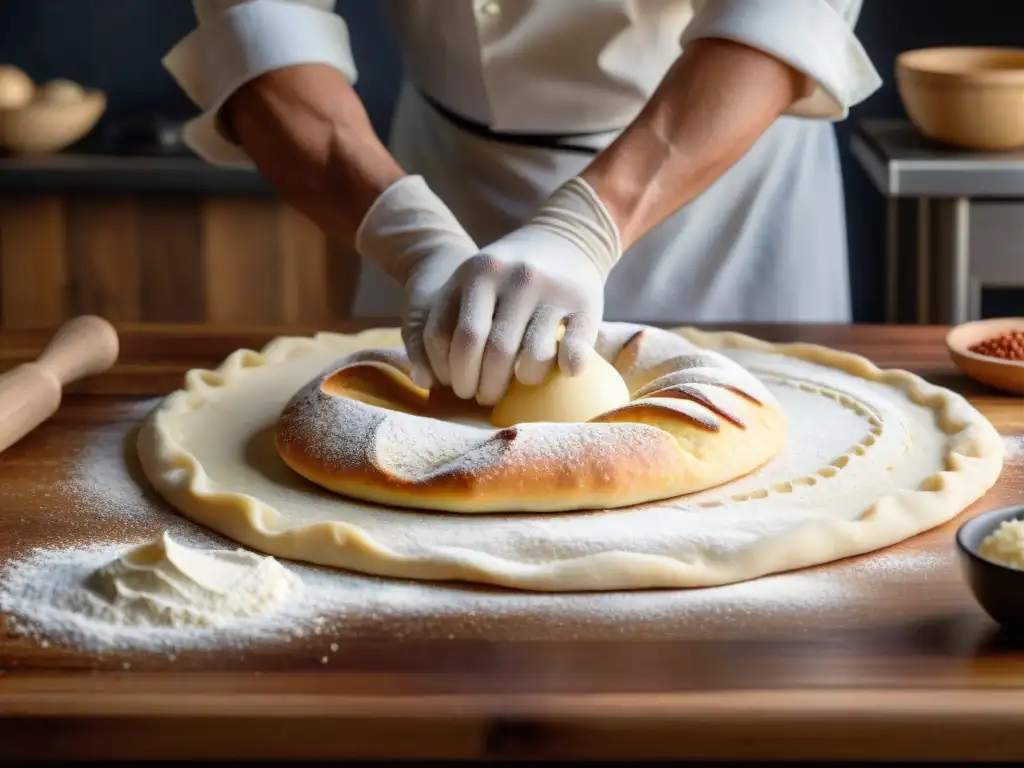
(966, 97)
(1006, 375)
(45, 125)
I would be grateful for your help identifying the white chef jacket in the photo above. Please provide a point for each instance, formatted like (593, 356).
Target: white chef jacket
(766, 242)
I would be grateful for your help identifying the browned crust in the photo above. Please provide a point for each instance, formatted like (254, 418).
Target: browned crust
(580, 481)
(624, 471)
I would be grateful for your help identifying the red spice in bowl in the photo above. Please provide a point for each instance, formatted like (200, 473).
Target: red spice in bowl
(1006, 346)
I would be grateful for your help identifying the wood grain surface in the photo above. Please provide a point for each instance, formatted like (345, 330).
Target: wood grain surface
(167, 258)
(898, 662)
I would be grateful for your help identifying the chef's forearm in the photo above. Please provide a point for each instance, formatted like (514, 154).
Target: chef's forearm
(710, 108)
(308, 133)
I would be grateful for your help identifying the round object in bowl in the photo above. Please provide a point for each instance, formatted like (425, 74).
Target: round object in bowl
(999, 589)
(48, 126)
(1003, 373)
(967, 97)
(60, 91)
(16, 88)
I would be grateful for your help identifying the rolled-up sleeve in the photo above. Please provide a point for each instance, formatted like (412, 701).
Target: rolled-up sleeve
(815, 37)
(238, 40)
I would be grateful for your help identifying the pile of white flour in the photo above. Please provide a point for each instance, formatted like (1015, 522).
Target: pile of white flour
(186, 589)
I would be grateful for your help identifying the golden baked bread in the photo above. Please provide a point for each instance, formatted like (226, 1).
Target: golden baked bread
(696, 419)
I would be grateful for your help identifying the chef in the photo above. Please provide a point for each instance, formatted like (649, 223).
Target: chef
(551, 163)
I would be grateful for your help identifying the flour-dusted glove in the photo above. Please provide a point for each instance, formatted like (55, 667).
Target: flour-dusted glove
(412, 235)
(500, 313)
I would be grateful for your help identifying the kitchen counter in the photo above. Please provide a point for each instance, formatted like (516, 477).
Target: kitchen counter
(903, 163)
(100, 172)
(899, 663)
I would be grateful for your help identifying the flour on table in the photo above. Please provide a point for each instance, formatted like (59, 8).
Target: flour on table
(157, 595)
(339, 605)
(35, 587)
(100, 482)
(165, 583)
(43, 593)
(1014, 445)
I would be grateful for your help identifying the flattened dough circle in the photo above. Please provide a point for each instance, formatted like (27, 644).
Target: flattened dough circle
(900, 456)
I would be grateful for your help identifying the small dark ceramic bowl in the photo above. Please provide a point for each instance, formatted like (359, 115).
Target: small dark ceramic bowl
(999, 589)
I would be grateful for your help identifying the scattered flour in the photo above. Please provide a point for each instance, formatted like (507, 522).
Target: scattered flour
(51, 593)
(100, 478)
(164, 583)
(158, 595)
(48, 593)
(1014, 446)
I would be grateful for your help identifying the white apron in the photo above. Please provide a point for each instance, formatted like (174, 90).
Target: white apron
(765, 243)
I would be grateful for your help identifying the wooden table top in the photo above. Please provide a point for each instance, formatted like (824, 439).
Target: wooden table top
(904, 666)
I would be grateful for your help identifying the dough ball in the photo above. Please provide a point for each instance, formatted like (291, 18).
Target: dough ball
(16, 88)
(598, 388)
(60, 91)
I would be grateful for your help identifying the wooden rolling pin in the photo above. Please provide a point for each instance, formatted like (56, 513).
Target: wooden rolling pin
(30, 393)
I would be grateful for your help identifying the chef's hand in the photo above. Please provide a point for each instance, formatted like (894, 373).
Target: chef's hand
(499, 313)
(413, 236)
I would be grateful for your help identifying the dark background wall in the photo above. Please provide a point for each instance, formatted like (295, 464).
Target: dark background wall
(116, 45)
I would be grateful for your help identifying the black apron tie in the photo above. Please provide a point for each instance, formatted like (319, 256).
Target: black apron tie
(550, 141)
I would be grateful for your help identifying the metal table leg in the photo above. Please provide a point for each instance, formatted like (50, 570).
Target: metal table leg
(892, 261)
(950, 263)
(925, 268)
(907, 260)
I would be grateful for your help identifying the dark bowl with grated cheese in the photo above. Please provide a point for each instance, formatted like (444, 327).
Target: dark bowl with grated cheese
(997, 586)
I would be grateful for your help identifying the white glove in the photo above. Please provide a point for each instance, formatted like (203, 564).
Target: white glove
(412, 235)
(500, 313)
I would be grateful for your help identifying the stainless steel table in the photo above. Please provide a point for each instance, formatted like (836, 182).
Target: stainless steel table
(955, 221)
